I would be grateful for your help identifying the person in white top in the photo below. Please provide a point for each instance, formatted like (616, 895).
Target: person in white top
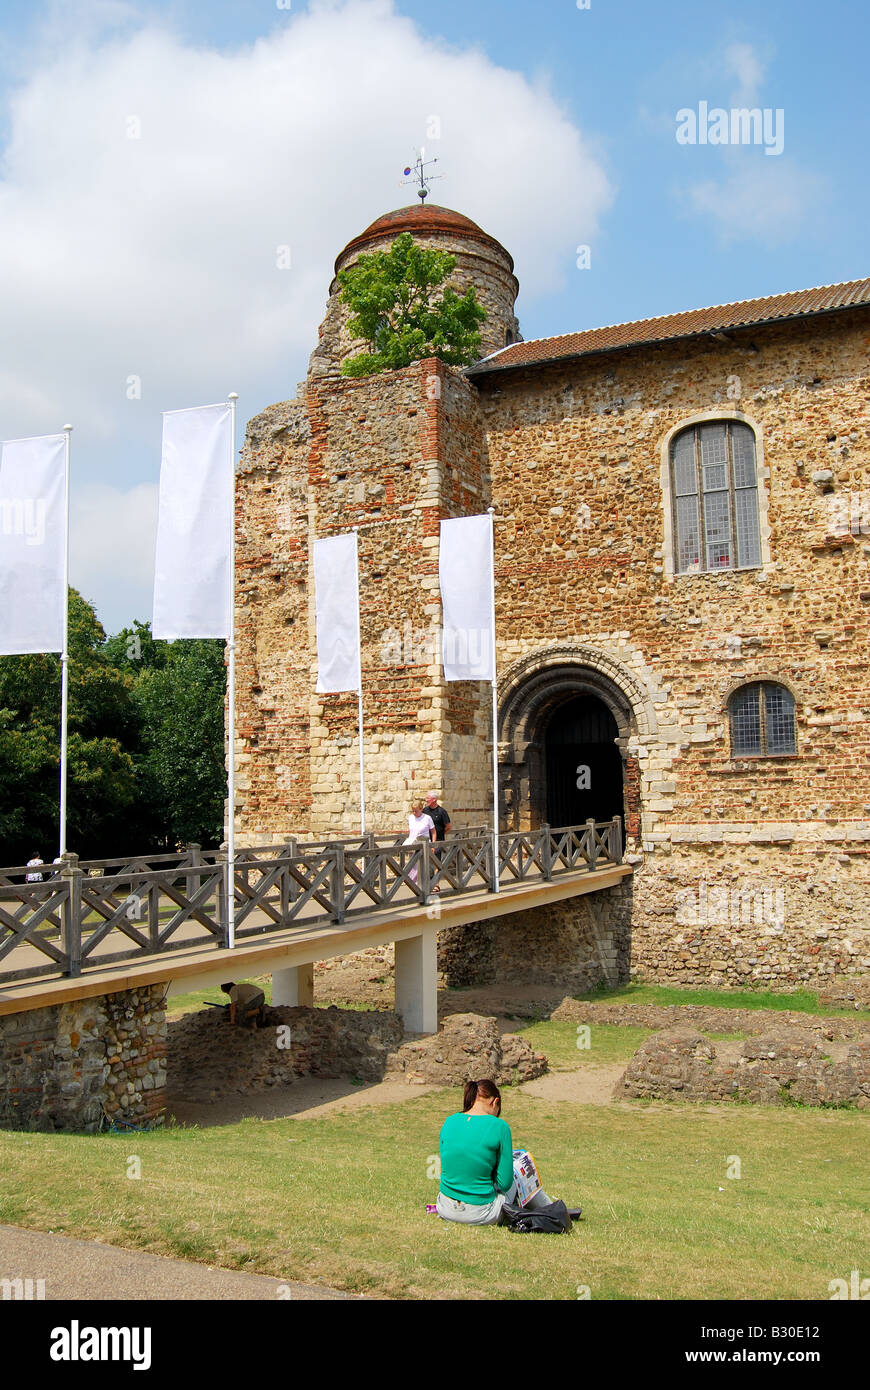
(32, 864)
(420, 827)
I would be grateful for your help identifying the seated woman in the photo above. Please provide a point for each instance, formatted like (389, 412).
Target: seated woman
(477, 1171)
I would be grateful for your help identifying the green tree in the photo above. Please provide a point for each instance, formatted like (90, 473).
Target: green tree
(395, 308)
(181, 769)
(102, 724)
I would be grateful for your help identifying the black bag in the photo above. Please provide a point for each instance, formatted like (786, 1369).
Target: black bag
(549, 1220)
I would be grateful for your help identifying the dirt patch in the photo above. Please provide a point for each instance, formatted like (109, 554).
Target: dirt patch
(584, 1086)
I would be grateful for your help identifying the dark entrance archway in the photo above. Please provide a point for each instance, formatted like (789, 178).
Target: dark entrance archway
(564, 709)
(582, 763)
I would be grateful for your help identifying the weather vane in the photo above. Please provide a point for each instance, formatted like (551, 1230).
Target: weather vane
(421, 179)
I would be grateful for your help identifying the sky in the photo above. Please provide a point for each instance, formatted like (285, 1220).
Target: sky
(177, 178)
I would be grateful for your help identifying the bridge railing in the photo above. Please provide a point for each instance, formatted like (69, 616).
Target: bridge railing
(84, 919)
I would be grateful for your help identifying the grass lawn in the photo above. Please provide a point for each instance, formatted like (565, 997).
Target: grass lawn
(802, 1001)
(340, 1199)
(608, 1043)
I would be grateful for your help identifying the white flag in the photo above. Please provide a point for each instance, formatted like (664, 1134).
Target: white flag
(194, 524)
(465, 572)
(32, 529)
(336, 603)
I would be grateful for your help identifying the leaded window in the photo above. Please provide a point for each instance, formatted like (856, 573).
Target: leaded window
(715, 498)
(762, 721)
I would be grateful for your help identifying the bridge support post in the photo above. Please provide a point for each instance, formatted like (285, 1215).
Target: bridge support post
(71, 914)
(417, 981)
(294, 986)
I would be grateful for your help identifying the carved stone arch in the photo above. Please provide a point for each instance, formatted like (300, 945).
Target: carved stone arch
(531, 689)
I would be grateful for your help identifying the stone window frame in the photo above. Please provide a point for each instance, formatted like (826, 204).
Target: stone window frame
(763, 478)
(762, 677)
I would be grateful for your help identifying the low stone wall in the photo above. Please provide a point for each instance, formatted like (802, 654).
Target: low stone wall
(773, 1068)
(713, 1019)
(210, 1059)
(468, 1047)
(577, 944)
(63, 1066)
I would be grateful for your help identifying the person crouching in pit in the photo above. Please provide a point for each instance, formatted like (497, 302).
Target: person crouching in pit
(247, 1003)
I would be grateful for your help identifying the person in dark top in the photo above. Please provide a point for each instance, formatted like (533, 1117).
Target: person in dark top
(441, 820)
(440, 817)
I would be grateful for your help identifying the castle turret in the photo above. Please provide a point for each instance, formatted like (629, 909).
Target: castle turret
(481, 262)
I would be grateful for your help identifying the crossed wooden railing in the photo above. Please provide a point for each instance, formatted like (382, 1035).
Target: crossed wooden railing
(82, 911)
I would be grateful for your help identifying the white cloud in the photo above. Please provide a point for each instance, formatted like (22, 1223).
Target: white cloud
(112, 537)
(156, 255)
(743, 63)
(763, 201)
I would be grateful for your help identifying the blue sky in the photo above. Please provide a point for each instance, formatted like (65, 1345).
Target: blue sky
(154, 257)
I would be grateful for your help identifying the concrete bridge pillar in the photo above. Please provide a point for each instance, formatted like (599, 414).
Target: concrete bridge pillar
(417, 981)
(294, 986)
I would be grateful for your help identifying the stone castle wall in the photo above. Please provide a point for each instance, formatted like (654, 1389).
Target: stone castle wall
(66, 1066)
(746, 870)
(582, 567)
(391, 454)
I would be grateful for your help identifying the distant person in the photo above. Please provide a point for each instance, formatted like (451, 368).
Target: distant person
(34, 863)
(440, 818)
(477, 1168)
(420, 827)
(247, 1004)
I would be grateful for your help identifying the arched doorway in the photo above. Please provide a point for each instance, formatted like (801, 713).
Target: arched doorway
(562, 710)
(582, 763)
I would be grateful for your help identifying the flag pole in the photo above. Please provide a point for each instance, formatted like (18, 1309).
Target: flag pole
(64, 656)
(495, 846)
(362, 771)
(231, 695)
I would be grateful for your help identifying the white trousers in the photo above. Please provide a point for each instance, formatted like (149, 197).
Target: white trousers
(490, 1213)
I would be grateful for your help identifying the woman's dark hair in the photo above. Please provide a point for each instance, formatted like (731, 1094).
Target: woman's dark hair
(486, 1090)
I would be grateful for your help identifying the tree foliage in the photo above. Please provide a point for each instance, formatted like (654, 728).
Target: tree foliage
(146, 743)
(397, 311)
(102, 725)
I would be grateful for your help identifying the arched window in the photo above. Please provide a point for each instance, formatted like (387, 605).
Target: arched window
(762, 721)
(714, 486)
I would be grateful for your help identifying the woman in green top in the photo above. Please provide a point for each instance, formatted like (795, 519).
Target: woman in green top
(477, 1170)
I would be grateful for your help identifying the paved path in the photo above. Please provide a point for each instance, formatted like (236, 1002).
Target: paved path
(86, 1269)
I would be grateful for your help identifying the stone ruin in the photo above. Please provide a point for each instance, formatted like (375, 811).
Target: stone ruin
(793, 1065)
(209, 1059)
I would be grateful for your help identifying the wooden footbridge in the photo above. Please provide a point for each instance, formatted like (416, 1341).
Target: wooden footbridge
(97, 927)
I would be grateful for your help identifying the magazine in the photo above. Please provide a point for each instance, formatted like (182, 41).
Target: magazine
(526, 1174)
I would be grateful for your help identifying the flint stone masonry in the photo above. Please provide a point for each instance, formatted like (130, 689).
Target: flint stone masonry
(778, 1068)
(468, 1047)
(747, 870)
(210, 1059)
(579, 944)
(63, 1067)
